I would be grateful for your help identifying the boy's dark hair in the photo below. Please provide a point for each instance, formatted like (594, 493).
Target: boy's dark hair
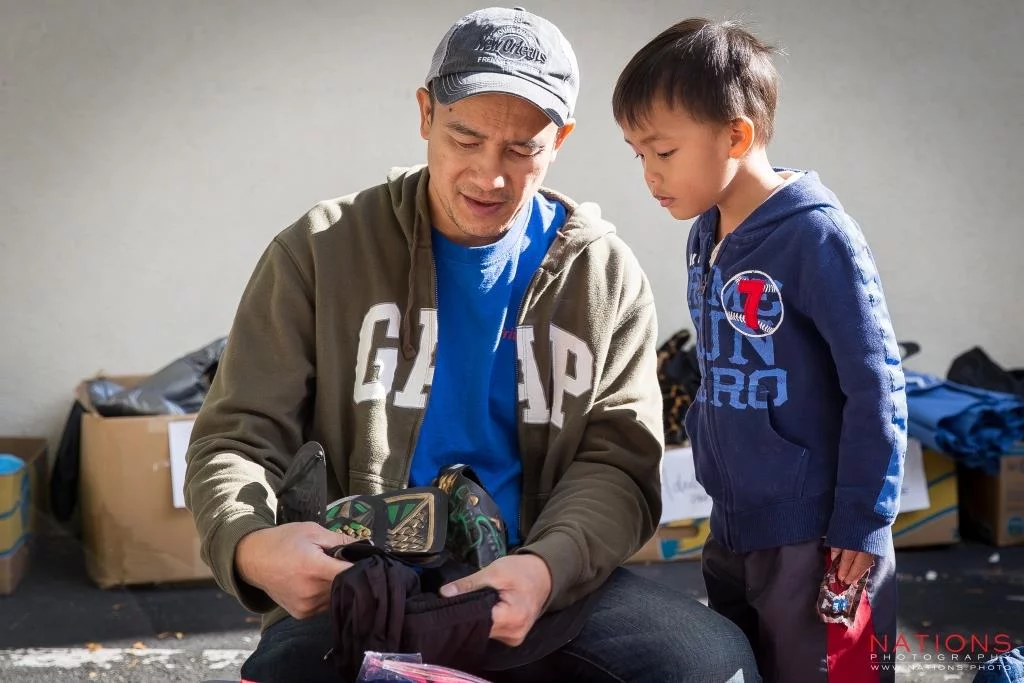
(716, 72)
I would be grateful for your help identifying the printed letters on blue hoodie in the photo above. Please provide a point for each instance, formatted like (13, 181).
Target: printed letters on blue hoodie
(799, 427)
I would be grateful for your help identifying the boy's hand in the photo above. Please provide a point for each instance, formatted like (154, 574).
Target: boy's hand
(852, 564)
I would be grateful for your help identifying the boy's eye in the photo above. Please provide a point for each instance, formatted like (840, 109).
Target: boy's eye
(666, 155)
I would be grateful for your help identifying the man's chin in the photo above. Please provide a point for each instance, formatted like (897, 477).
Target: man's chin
(488, 230)
(476, 234)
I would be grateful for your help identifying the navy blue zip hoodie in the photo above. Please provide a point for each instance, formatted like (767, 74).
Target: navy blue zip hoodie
(799, 427)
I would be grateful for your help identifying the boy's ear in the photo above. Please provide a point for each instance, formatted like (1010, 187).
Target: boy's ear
(561, 135)
(741, 137)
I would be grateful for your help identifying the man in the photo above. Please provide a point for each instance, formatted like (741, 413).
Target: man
(458, 313)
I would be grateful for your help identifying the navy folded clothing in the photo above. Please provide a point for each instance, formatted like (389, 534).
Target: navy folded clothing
(1007, 667)
(974, 425)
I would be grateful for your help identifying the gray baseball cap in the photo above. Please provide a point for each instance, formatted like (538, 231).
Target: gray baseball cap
(508, 51)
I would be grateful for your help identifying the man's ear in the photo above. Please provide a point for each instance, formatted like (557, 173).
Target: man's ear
(562, 134)
(426, 112)
(741, 137)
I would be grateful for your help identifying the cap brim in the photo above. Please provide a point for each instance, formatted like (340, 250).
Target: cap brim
(454, 87)
(551, 632)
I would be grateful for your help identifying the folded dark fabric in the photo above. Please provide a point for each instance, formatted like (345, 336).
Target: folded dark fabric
(413, 542)
(378, 605)
(383, 604)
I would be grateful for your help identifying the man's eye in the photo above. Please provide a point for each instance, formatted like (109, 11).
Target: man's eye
(524, 155)
(467, 145)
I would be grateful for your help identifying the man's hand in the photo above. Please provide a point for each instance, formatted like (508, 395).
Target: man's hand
(289, 564)
(523, 583)
(852, 564)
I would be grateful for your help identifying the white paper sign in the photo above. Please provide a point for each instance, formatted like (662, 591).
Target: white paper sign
(682, 496)
(178, 435)
(914, 495)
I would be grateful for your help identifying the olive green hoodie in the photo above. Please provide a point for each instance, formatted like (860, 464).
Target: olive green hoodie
(333, 341)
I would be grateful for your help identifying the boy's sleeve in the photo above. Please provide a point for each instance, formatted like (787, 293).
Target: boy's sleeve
(847, 305)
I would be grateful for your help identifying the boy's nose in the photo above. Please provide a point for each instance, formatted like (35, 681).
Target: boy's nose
(651, 179)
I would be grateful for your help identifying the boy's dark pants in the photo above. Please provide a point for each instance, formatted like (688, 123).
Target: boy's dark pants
(772, 596)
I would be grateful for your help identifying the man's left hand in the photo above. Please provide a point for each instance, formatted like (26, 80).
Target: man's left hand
(852, 564)
(523, 583)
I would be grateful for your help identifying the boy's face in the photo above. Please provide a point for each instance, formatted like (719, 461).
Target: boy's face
(687, 165)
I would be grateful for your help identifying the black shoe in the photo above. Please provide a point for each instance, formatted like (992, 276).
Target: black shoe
(302, 496)
(477, 534)
(410, 524)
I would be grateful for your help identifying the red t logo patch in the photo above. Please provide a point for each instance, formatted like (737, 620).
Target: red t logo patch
(753, 289)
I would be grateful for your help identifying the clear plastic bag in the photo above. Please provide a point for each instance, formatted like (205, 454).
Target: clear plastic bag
(382, 667)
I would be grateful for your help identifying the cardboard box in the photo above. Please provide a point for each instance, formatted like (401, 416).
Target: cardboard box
(23, 502)
(132, 530)
(14, 496)
(939, 522)
(929, 499)
(682, 540)
(13, 567)
(993, 505)
(685, 509)
(33, 451)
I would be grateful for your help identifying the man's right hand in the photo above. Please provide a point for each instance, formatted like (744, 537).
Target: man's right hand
(289, 564)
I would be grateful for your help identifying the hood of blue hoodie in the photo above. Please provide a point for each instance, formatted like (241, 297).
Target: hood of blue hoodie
(804, 194)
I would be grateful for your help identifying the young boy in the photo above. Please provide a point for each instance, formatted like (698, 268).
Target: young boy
(799, 427)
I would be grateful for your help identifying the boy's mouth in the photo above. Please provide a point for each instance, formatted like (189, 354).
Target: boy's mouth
(664, 201)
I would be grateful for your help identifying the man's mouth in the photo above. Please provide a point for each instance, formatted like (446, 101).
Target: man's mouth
(484, 202)
(483, 206)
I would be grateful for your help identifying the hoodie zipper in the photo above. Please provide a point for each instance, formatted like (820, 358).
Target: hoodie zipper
(520, 317)
(426, 399)
(707, 379)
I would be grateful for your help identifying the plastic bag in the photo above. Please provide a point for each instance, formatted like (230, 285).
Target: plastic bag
(381, 667)
(176, 389)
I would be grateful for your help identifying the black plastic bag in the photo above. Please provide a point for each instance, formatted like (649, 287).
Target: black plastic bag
(679, 380)
(976, 369)
(176, 389)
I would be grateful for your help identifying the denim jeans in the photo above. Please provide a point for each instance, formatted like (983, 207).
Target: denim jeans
(640, 631)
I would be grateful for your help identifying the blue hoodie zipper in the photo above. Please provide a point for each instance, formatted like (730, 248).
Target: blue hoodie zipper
(707, 248)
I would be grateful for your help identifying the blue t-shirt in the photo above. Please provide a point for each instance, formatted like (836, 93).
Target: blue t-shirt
(471, 414)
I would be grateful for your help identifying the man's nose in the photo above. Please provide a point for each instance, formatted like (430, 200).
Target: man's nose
(490, 173)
